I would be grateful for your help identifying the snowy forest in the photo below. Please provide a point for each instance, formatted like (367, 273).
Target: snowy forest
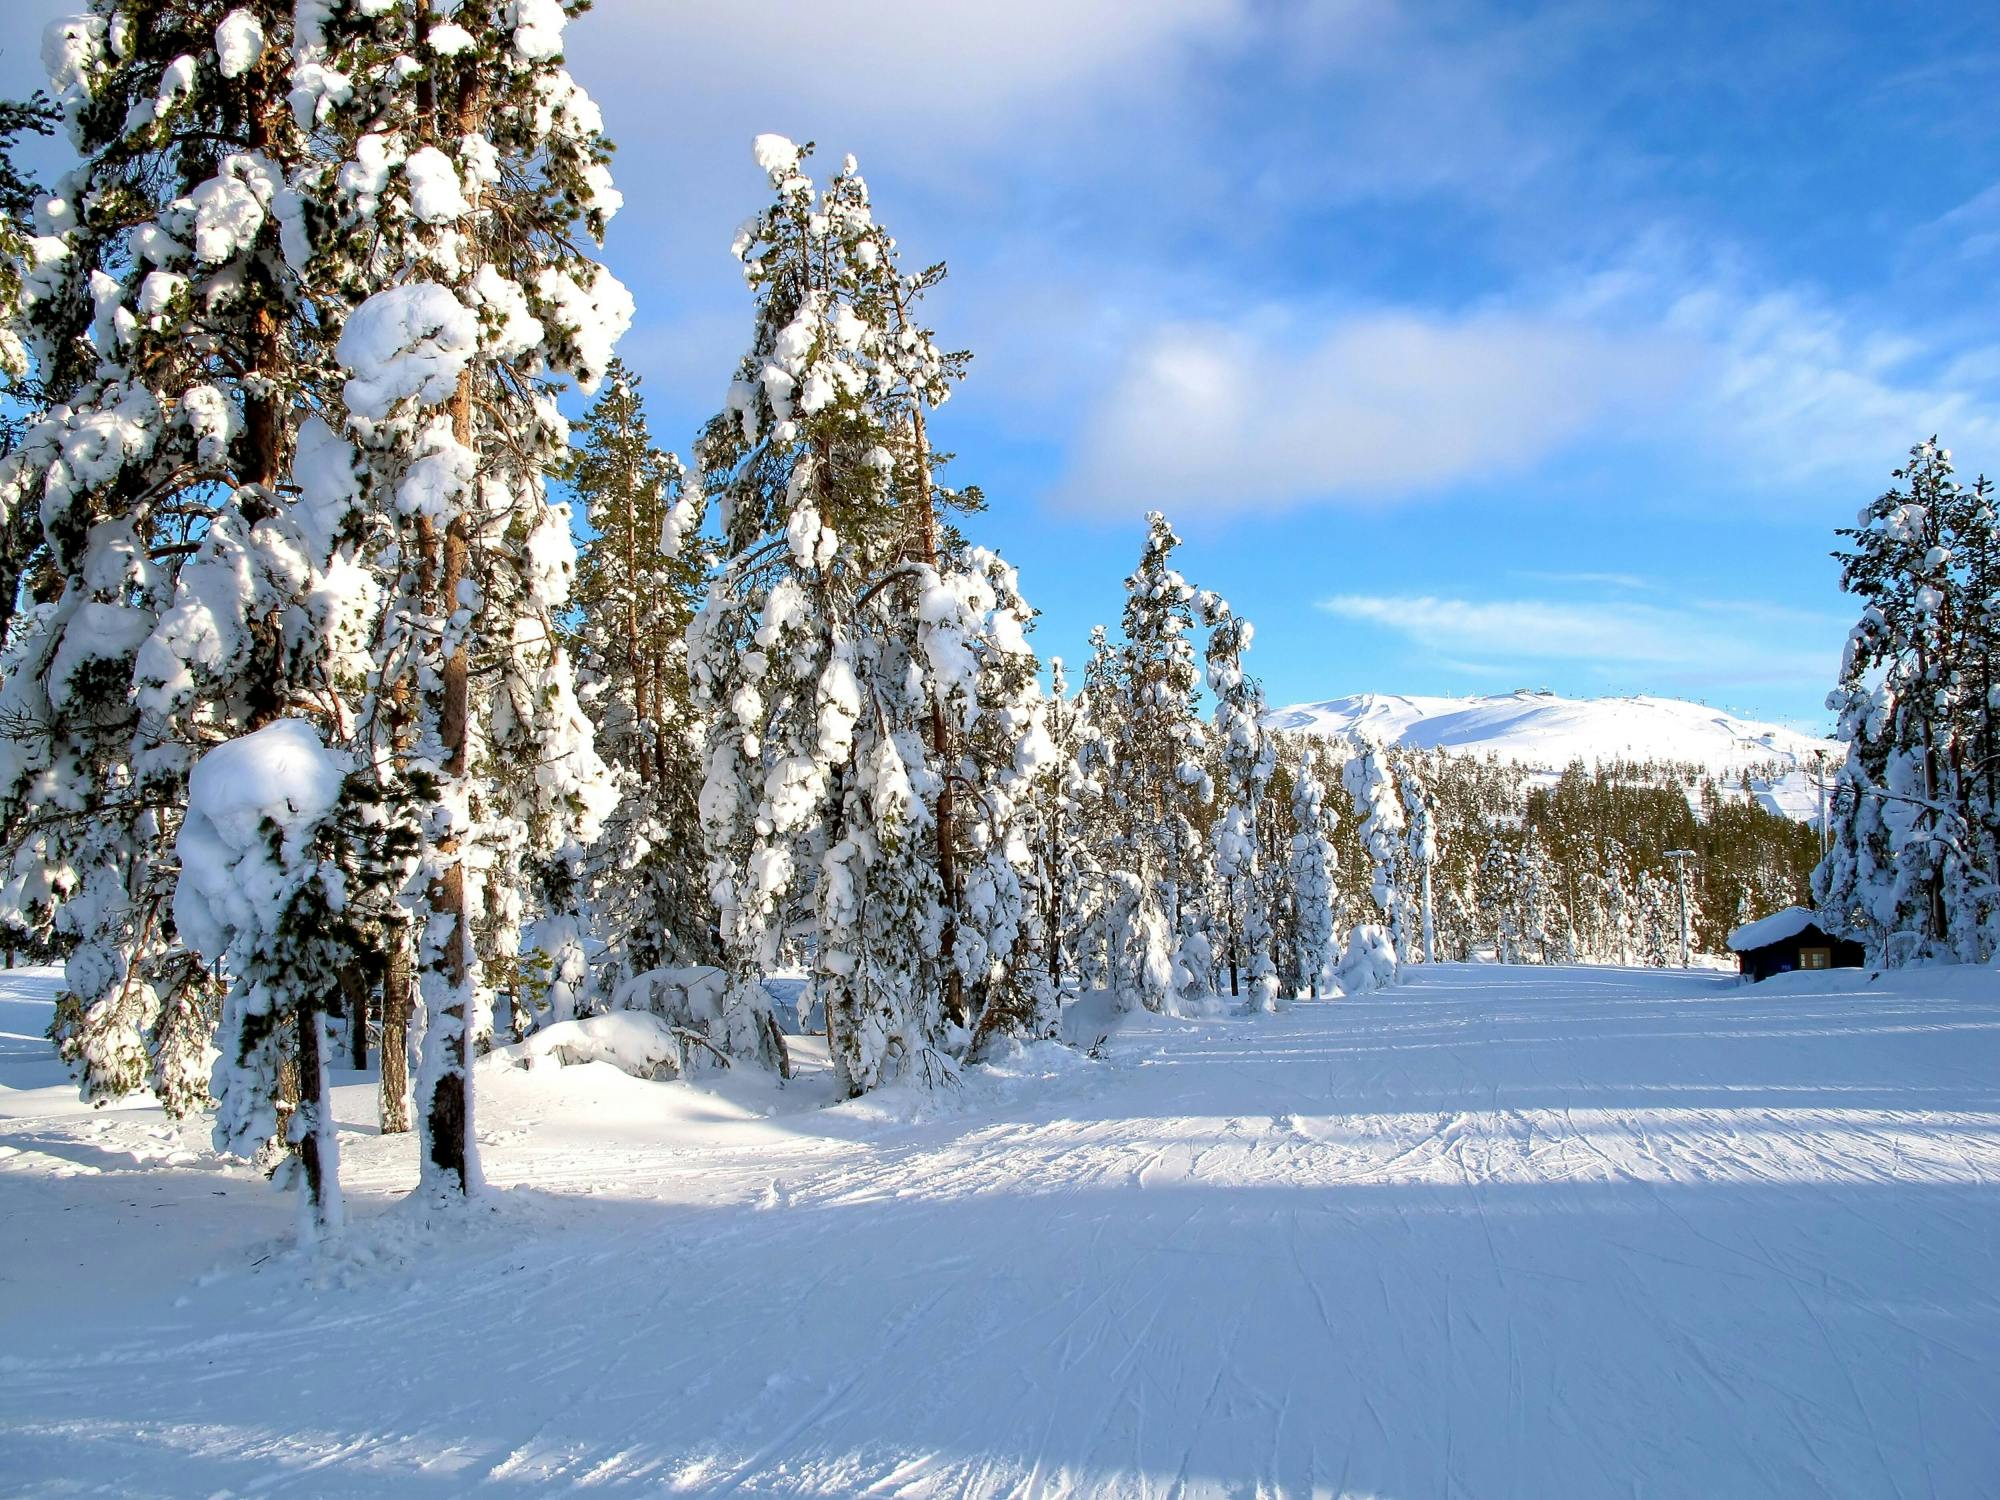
(378, 683)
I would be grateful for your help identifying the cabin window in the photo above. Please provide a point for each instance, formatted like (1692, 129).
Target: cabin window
(1815, 958)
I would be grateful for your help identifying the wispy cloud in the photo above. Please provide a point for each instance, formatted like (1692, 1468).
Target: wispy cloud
(1820, 392)
(1631, 582)
(1971, 231)
(1791, 385)
(1670, 644)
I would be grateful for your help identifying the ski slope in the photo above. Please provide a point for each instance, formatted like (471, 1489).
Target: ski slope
(1501, 1232)
(1547, 733)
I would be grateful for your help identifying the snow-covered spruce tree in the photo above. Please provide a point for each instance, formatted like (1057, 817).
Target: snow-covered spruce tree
(1247, 761)
(639, 583)
(1311, 876)
(1163, 790)
(1371, 789)
(1420, 806)
(464, 170)
(1066, 872)
(184, 599)
(839, 654)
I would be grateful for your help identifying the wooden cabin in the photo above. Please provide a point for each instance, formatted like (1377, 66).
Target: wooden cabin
(1788, 940)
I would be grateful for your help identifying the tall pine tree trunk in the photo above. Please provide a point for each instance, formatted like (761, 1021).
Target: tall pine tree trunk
(447, 1109)
(395, 1048)
(941, 748)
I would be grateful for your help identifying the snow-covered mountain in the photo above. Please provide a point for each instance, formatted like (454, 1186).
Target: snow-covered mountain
(1547, 732)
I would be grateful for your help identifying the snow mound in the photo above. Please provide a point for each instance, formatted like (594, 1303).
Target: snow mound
(698, 1001)
(1369, 963)
(631, 1041)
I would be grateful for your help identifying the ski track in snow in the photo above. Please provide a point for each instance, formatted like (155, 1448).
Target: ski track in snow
(1500, 1232)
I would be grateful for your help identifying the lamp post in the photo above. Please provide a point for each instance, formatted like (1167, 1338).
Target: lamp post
(1680, 857)
(1820, 764)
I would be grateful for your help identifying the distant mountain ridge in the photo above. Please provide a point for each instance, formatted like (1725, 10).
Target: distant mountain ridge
(1546, 732)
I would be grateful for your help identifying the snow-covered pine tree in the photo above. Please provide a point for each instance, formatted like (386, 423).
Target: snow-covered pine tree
(1535, 898)
(1248, 760)
(639, 583)
(1914, 859)
(1163, 790)
(186, 599)
(267, 879)
(1976, 555)
(1371, 788)
(1658, 920)
(999, 733)
(1311, 878)
(1458, 926)
(1616, 904)
(20, 527)
(1498, 903)
(1890, 787)
(1065, 871)
(839, 651)
(462, 171)
(1421, 809)
(1103, 807)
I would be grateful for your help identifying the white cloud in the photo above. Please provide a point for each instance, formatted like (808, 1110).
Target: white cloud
(1631, 582)
(1701, 642)
(936, 70)
(1215, 417)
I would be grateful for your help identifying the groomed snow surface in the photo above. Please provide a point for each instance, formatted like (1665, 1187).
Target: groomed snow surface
(1498, 1232)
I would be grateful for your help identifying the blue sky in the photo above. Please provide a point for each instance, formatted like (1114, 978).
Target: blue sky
(1468, 346)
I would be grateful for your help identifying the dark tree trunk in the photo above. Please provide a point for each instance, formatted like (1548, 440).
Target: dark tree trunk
(448, 1109)
(395, 1048)
(306, 1122)
(354, 1006)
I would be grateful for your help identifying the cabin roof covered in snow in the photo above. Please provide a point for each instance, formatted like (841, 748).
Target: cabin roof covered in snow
(1775, 928)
